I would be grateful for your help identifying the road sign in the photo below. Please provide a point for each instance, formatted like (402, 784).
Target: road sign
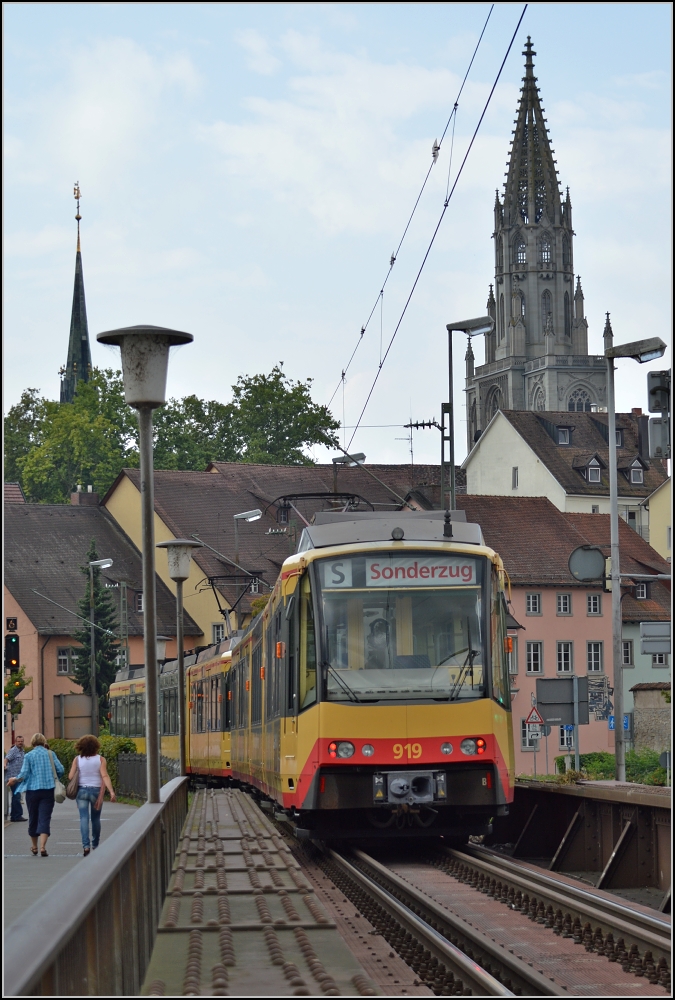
(654, 637)
(555, 700)
(534, 718)
(568, 729)
(587, 563)
(612, 724)
(665, 760)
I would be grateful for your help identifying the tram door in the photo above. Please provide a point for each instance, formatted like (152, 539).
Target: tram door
(289, 722)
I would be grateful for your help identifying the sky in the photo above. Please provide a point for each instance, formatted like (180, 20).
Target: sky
(248, 169)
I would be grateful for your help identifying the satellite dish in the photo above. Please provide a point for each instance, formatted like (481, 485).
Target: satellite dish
(587, 564)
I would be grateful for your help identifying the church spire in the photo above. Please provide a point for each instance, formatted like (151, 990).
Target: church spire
(531, 181)
(78, 365)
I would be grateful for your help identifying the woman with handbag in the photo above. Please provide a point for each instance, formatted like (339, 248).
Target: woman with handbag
(88, 780)
(39, 780)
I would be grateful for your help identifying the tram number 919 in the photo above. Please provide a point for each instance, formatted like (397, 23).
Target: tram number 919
(412, 750)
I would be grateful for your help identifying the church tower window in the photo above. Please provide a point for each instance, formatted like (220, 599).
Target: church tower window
(580, 401)
(522, 304)
(520, 251)
(545, 256)
(568, 327)
(545, 308)
(566, 252)
(501, 317)
(500, 253)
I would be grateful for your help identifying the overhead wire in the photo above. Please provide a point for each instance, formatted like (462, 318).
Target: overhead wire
(392, 261)
(438, 226)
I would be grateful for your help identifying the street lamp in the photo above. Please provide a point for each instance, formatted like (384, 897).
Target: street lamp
(179, 555)
(247, 515)
(641, 351)
(351, 460)
(145, 361)
(94, 564)
(472, 328)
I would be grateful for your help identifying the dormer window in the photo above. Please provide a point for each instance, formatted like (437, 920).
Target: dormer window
(641, 591)
(563, 435)
(593, 471)
(637, 474)
(619, 439)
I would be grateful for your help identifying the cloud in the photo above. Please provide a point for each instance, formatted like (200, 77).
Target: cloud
(260, 58)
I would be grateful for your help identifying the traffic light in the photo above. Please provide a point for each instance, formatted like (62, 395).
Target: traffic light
(12, 652)
(658, 391)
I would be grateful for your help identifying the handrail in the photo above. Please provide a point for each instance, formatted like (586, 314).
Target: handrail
(92, 933)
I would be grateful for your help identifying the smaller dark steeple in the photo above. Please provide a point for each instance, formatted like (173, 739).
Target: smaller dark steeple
(78, 365)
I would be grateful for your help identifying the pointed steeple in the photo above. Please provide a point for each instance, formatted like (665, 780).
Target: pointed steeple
(607, 334)
(531, 181)
(469, 358)
(78, 365)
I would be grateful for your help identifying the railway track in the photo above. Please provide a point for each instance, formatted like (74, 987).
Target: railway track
(639, 940)
(450, 957)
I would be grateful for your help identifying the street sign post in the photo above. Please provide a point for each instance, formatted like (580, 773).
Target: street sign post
(655, 637)
(534, 718)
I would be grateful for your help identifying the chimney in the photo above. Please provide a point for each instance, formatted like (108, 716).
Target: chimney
(642, 434)
(636, 411)
(81, 499)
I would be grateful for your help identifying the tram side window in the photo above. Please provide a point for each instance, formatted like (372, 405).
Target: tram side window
(216, 703)
(242, 705)
(226, 688)
(173, 714)
(113, 717)
(292, 671)
(500, 677)
(307, 694)
(199, 691)
(124, 716)
(271, 669)
(256, 684)
(193, 708)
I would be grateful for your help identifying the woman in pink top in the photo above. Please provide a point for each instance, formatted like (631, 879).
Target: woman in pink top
(93, 781)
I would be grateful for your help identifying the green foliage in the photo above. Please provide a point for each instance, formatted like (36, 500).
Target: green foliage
(259, 604)
(106, 646)
(277, 418)
(14, 685)
(642, 767)
(111, 746)
(51, 447)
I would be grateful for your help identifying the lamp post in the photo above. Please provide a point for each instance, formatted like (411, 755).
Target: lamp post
(247, 515)
(472, 328)
(145, 361)
(94, 564)
(179, 555)
(641, 351)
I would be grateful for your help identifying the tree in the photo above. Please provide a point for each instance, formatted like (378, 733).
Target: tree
(14, 685)
(106, 645)
(24, 430)
(277, 418)
(191, 432)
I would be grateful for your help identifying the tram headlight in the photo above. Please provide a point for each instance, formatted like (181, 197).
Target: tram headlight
(367, 750)
(468, 747)
(341, 748)
(446, 748)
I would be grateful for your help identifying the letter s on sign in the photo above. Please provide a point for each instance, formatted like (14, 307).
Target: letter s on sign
(338, 575)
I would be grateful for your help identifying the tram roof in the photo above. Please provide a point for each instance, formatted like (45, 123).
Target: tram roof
(349, 528)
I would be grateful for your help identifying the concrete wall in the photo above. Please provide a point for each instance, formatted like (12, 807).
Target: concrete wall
(651, 721)
(550, 628)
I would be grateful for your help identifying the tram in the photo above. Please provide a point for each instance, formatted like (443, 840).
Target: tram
(371, 696)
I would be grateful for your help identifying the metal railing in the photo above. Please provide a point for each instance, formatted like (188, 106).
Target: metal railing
(132, 773)
(93, 932)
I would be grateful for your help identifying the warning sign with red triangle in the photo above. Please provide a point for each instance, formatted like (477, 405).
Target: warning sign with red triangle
(534, 718)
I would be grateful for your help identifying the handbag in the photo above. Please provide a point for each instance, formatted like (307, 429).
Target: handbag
(59, 790)
(73, 784)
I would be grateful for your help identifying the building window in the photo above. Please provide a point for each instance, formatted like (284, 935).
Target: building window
(565, 738)
(593, 472)
(627, 653)
(579, 401)
(512, 657)
(563, 435)
(218, 632)
(659, 659)
(534, 654)
(64, 660)
(282, 515)
(545, 250)
(637, 475)
(568, 321)
(502, 325)
(564, 657)
(565, 251)
(533, 604)
(564, 604)
(139, 602)
(255, 587)
(546, 308)
(594, 655)
(520, 251)
(514, 477)
(641, 591)
(594, 604)
(619, 439)
(595, 508)
(526, 740)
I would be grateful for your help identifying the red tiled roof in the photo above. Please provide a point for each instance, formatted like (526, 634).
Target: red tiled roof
(14, 493)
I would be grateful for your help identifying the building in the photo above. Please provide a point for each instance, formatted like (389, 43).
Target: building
(652, 716)
(14, 493)
(78, 364)
(565, 456)
(241, 560)
(537, 356)
(45, 547)
(659, 507)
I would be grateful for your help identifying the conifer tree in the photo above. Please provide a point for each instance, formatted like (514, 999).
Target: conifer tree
(106, 645)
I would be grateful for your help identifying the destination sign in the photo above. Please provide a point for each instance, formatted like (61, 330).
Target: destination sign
(401, 571)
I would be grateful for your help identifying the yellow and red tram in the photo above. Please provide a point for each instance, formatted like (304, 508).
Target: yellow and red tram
(371, 696)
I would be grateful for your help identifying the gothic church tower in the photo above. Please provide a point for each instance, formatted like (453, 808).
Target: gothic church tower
(537, 357)
(78, 365)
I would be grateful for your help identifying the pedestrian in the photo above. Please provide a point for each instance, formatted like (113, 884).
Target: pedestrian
(37, 778)
(13, 761)
(93, 779)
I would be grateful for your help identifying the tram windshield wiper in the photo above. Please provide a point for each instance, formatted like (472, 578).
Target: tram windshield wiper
(468, 666)
(341, 681)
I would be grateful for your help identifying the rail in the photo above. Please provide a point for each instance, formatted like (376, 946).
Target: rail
(92, 933)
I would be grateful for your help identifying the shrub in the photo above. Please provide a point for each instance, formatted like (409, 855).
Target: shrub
(642, 767)
(111, 746)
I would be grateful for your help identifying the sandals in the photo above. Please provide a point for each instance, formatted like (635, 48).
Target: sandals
(34, 851)
(43, 854)
(85, 851)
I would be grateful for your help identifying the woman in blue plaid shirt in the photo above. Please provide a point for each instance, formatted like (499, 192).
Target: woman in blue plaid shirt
(36, 779)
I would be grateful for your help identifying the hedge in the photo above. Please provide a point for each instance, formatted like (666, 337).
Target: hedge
(111, 746)
(642, 766)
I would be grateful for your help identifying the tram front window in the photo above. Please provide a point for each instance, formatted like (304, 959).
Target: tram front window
(402, 627)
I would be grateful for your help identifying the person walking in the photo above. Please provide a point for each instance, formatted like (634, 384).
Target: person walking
(37, 779)
(93, 779)
(13, 763)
